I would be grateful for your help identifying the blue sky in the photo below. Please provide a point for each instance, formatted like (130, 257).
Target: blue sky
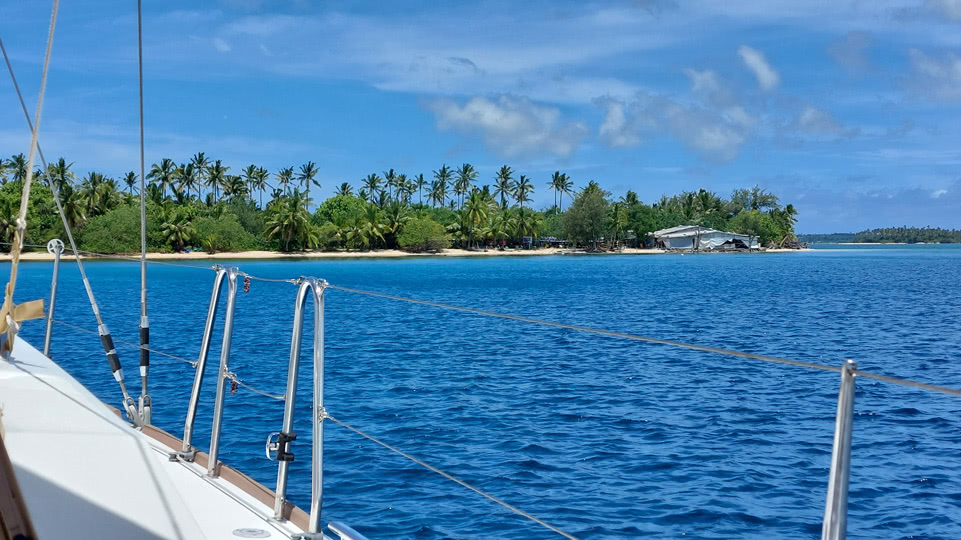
(850, 110)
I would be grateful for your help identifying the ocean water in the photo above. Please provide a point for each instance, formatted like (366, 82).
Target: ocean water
(602, 437)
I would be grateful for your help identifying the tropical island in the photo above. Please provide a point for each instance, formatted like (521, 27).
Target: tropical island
(199, 205)
(890, 235)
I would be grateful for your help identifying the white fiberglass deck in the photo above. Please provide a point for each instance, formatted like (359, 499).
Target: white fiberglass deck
(85, 473)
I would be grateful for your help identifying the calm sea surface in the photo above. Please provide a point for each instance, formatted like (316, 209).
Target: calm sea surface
(603, 437)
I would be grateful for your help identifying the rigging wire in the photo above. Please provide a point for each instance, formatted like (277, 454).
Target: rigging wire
(146, 405)
(231, 375)
(676, 344)
(104, 333)
(452, 478)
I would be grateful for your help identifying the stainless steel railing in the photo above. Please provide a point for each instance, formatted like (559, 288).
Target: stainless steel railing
(229, 273)
(836, 507)
(55, 247)
(315, 288)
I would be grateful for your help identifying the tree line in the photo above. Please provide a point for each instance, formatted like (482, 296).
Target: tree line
(889, 235)
(200, 204)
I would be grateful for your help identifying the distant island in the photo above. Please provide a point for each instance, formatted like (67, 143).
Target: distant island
(889, 235)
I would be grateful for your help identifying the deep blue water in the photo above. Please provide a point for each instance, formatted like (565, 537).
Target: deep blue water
(603, 437)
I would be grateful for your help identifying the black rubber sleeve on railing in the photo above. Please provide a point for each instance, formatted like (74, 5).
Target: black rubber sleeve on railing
(108, 348)
(144, 343)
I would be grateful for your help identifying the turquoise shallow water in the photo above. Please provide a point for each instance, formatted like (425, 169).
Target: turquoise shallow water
(603, 437)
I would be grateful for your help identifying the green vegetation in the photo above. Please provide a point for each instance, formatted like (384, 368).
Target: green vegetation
(200, 204)
(891, 235)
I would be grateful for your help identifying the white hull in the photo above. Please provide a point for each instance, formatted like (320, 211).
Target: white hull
(86, 473)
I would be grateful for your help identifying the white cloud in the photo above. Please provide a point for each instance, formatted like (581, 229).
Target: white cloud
(936, 194)
(815, 121)
(938, 78)
(511, 126)
(711, 122)
(221, 45)
(615, 130)
(767, 77)
(702, 81)
(711, 134)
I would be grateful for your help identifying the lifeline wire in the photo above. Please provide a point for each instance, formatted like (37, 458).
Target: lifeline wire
(192, 363)
(609, 333)
(448, 476)
(752, 356)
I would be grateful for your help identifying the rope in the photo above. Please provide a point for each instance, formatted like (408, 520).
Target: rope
(677, 344)
(8, 313)
(451, 477)
(104, 333)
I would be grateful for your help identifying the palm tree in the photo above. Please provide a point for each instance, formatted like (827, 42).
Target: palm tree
(188, 178)
(250, 174)
(465, 179)
(527, 223)
(522, 190)
(177, 230)
(235, 187)
(395, 217)
(260, 183)
(618, 221)
(566, 186)
(556, 183)
(372, 185)
(403, 187)
(438, 193)
(73, 206)
(390, 179)
(163, 173)
(419, 185)
(60, 173)
(501, 226)
(368, 229)
(18, 163)
(90, 191)
(289, 221)
(131, 180)
(476, 210)
(200, 163)
(503, 184)
(443, 176)
(345, 189)
(285, 177)
(217, 177)
(306, 177)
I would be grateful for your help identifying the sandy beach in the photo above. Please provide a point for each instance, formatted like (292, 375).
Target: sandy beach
(381, 253)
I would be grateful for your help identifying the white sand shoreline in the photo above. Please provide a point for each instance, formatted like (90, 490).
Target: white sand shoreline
(375, 254)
